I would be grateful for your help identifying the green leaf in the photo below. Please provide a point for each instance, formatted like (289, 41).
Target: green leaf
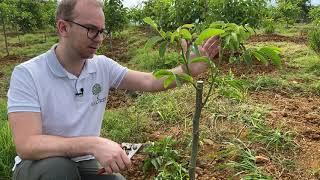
(188, 26)
(174, 36)
(149, 21)
(161, 73)
(178, 80)
(208, 33)
(162, 49)
(168, 81)
(163, 34)
(201, 59)
(185, 34)
(155, 163)
(185, 77)
(272, 54)
(260, 57)
(153, 41)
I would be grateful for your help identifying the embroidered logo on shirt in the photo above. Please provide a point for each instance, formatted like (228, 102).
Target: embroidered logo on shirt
(96, 90)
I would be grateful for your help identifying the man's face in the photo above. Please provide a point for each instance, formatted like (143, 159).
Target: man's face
(91, 16)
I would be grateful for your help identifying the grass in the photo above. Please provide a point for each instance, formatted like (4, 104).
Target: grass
(29, 45)
(7, 150)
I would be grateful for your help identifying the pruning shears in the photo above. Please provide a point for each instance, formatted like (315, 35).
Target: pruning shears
(130, 148)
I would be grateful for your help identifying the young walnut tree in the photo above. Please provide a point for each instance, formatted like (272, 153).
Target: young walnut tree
(231, 37)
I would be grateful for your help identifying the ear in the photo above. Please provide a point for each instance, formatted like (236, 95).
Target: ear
(63, 28)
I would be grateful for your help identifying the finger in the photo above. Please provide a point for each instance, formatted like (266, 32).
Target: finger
(214, 53)
(126, 160)
(114, 167)
(120, 163)
(108, 170)
(210, 42)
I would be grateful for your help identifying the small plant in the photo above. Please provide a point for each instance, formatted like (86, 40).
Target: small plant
(269, 26)
(163, 158)
(273, 139)
(233, 46)
(241, 159)
(314, 41)
(232, 38)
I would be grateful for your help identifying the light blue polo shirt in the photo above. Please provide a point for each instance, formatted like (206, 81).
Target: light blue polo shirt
(43, 85)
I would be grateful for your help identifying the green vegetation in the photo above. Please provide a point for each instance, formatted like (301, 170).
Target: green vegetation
(249, 129)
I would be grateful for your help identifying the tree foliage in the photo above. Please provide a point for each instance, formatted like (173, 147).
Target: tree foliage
(115, 15)
(239, 12)
(314, 15)
(288, 10)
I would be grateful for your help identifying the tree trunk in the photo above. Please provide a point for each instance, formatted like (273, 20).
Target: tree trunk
(45, 36)
(195, 133)
(5, 35)
(17, 29)
(111, 48)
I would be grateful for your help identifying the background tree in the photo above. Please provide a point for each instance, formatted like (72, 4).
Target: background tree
(136, 15)
(116, 17)
(289, 11)
(314, 15)
(190, 11)
(162, 11)
(4, 19)
(29, 17)
(240, 12)
(48, 9)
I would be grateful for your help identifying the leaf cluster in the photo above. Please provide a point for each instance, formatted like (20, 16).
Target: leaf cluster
(164, 159)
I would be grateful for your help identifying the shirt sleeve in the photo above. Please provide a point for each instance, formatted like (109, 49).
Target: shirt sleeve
(22, 93)
(116, 73)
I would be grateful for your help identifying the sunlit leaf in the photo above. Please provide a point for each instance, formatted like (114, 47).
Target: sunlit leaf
(161, 73)
(185, 34)
(188, 26)
(149, 21)
(208, 33)
(200, 59)
(168, 81)
(272, 54)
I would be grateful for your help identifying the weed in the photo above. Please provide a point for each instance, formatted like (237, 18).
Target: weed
(314, 40)
(163, 158)
(124, 125)
(242, 160)
(7, 150)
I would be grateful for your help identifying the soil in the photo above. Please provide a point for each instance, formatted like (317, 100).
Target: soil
(301, 115)
(119, 50)
(278, 38)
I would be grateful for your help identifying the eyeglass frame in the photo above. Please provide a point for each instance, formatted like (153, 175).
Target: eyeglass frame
(102, 31)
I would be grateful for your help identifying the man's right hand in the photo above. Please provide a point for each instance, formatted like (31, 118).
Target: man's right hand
(111, 156)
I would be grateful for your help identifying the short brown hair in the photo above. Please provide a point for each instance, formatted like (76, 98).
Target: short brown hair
(65, 9)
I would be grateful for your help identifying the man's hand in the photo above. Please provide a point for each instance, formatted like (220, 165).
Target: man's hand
(210, 48)
(111, 156)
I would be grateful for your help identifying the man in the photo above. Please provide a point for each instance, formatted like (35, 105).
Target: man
(56, 101)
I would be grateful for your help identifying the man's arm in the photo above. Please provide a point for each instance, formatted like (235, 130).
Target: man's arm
(31, 144)
(141, 81)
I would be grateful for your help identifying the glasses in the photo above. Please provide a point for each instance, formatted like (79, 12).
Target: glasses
(92, 33)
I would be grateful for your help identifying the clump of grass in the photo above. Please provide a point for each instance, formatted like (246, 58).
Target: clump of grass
(125, 125)
(314, 40)
(164, 158)
(161, 106)
(7, 150)
(242, 160)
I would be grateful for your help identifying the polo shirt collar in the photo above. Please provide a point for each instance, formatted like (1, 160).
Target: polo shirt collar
(58, 70)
